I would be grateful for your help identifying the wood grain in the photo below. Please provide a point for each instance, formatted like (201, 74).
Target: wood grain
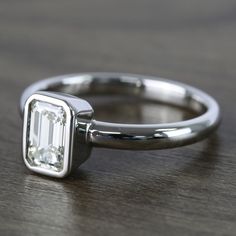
(183, 191)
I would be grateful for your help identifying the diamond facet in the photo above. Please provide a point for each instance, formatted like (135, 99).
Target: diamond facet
(46, 136)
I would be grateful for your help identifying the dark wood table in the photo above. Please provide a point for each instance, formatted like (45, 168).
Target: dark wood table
(182, 191)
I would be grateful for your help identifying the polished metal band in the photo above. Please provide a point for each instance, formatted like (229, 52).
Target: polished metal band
(138, 136)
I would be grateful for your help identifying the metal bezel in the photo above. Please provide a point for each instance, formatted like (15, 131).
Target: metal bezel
(69, 129)
(75, 109)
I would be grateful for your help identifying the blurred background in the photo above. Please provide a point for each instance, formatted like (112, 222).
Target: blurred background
(187, 40)
(185, 191)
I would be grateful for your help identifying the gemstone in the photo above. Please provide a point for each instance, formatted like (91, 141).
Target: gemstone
(46, 136)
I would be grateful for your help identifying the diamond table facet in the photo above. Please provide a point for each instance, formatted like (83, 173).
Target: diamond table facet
(46, 136)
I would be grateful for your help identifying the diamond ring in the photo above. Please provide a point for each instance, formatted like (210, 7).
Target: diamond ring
(59, 130)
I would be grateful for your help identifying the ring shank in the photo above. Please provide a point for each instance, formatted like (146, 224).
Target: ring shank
(138, 136)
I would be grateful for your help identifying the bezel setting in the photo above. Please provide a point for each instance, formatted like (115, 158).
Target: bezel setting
(77, 117)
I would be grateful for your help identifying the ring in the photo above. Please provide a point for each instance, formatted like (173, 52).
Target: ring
(59, 130)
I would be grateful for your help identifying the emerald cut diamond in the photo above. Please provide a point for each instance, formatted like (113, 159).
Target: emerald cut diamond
(55, 133)
(46, 136)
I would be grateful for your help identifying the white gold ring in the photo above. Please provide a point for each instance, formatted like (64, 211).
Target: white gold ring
(59, 130)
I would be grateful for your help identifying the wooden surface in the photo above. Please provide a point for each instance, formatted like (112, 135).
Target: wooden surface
(183, 191)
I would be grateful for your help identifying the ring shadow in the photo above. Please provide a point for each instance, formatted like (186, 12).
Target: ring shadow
(201, 164)
(88, 183)
(88, 192)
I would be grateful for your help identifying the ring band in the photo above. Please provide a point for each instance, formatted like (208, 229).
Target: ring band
(59, 130)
